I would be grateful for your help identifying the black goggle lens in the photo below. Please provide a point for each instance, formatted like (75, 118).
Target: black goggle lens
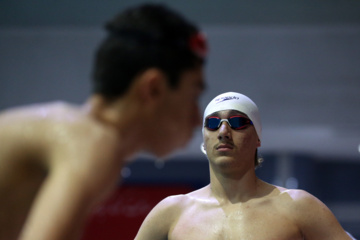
(235, 122)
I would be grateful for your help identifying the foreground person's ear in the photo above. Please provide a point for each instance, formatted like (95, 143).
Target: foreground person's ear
(152, 84)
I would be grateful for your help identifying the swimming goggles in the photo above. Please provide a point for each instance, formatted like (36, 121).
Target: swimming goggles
(235, 122)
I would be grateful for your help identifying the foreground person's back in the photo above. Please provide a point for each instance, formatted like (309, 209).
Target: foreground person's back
(57, 160)
(34, 142)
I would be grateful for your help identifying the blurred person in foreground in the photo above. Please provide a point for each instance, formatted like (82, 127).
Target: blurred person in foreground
(237, 204)
(59, 160)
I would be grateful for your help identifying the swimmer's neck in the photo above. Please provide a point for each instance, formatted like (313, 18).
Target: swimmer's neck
(235, 190)
(119, 115)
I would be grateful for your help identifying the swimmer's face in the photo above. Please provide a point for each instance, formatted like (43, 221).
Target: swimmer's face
(180, 112)
(226, 146)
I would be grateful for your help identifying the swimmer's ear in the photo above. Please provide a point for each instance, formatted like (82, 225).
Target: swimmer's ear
(259, 143)
(152, 85)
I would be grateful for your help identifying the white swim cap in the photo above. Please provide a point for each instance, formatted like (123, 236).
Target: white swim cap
(238, 102)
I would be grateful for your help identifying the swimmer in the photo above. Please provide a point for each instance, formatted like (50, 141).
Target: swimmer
(236, 204)
(59, 160)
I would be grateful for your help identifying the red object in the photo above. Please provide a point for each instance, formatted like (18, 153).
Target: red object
(121, 216)
(198, 45)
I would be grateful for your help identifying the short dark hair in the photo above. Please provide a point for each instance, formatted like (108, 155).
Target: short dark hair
(142, 37)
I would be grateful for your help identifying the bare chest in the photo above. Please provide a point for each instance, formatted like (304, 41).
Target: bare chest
(237, 223)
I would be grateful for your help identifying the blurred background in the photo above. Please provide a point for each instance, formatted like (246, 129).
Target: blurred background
(298, 60)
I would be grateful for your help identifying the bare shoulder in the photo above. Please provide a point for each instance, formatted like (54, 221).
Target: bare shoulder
(300, 199)
(174, 205)
(54, 132)
(313, 217)
(297, 201)
(24, 129)
(154, 226)
(170, 208)
(45, 120)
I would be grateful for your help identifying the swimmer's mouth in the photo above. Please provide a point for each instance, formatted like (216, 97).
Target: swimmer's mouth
(224, 146)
